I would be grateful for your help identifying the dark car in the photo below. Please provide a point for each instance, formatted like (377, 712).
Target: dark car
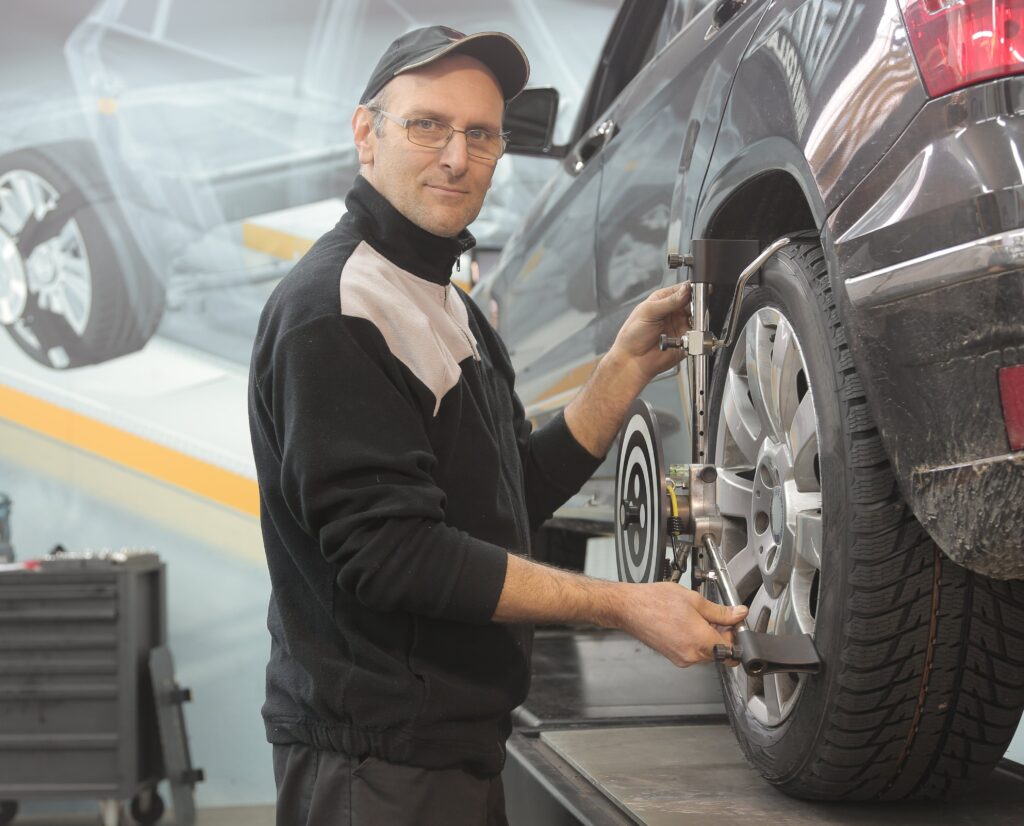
(868, 422)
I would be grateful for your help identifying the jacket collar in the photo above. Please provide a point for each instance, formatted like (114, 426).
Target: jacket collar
(428, 256)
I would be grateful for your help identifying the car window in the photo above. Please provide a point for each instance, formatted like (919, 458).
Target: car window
(631, 45)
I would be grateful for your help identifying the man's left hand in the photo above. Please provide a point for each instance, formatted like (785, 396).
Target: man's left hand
(665, 311)
(595, 415)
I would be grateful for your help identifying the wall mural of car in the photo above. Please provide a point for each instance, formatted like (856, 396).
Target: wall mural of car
(867, 421)
(190, 118)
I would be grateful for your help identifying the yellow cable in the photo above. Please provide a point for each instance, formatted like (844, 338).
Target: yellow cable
(670, 486)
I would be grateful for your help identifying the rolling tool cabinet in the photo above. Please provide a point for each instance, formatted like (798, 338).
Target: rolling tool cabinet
(79, 635)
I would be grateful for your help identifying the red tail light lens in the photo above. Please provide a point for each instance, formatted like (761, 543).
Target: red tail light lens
(1011, 389)
(960, 42)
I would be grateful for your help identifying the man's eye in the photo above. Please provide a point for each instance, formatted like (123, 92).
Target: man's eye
(426, 125)
(476, 135)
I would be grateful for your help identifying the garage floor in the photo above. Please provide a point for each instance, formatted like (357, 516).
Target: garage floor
(232, 816)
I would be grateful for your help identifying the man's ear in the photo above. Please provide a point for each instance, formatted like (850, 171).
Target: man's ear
(363, 135)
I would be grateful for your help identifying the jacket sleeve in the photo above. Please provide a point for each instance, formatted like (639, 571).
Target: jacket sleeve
(555, 465)
(356, 473)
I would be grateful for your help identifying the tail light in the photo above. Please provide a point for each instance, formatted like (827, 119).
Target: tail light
(961, 42)
(1011, 389)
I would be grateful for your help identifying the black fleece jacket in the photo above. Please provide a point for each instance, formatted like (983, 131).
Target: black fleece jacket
(396, 470)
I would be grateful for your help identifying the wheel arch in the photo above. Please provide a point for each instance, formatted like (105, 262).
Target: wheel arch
(763, 203)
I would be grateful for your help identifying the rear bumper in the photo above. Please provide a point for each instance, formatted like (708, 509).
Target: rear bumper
(931, 336)
(929, 329)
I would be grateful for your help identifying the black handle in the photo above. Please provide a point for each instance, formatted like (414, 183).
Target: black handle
(725, 10)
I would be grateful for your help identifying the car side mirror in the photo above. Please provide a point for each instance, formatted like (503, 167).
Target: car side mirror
(530, 118)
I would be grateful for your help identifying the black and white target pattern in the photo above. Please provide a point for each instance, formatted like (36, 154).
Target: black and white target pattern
(640, 507)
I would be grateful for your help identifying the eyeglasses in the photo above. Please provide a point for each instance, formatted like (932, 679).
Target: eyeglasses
(435, 134)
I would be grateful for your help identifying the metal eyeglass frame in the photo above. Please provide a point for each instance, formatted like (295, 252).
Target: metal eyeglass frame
(405, 122)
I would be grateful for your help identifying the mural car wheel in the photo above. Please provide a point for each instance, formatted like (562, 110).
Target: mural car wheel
(923, 661)
(74, 287)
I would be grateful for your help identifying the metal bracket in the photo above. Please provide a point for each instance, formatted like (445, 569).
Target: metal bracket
(713, 261)
(169, 697)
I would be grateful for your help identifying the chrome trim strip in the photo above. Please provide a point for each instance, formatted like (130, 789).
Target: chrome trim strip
(974, 260)
(1014, 458)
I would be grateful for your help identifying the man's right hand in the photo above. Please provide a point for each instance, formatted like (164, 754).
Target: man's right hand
(670, 618)
(677, 622)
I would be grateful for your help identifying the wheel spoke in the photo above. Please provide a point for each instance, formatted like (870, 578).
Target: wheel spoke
(743, 571)
(807, 539)
(11, 218)
(743, 423)
(761, 609)
(772, 697)
(785, 367)
(759, 371)
(76, 297)
(74, 269)
(788, 619)
(802, 440)
(734, 493)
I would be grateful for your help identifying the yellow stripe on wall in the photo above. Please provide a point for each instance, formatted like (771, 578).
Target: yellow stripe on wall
(275, 242)
(134, 452)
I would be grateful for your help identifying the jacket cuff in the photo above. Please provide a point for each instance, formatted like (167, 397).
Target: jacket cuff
(563, 457)
(474, 595)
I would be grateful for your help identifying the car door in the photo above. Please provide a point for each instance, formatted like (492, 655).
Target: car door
(545, 297)
(666, 122)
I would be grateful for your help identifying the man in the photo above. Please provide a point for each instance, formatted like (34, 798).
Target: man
(400, 482)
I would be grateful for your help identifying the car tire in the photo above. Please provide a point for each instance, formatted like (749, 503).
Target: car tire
(87, 295)
(922, 680)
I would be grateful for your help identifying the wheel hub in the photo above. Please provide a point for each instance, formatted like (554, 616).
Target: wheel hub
(43, 266)
(13, 281)
(769, 516)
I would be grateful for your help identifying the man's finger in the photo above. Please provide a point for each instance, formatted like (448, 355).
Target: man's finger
(675, 292)
(721, 614)
(666, 302)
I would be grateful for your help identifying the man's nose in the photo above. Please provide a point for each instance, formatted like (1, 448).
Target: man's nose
(454, 155)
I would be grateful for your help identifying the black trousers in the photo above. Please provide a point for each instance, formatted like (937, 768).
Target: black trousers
(327, 788)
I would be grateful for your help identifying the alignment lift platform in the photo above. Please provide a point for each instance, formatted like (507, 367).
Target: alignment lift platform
(613, 734)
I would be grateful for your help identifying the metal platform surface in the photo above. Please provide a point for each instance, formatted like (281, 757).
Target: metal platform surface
(612, 734)
(690, 775)
(586, 677)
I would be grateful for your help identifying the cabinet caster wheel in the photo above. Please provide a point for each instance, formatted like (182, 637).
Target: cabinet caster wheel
(147, 807)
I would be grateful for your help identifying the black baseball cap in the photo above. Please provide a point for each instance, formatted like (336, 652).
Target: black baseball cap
(498, 52)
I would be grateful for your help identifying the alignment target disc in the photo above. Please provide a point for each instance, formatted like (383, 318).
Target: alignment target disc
(641, 507)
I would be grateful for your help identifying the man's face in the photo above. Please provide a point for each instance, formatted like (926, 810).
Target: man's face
(440, 190)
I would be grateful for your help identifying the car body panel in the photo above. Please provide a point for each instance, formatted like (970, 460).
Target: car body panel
(943, 318)
(842, 86)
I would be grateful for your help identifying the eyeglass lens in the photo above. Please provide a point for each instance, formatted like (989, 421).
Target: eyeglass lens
(432, 134)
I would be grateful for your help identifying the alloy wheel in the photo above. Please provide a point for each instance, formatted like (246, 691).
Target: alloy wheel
(56, 271)
(770, 497)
